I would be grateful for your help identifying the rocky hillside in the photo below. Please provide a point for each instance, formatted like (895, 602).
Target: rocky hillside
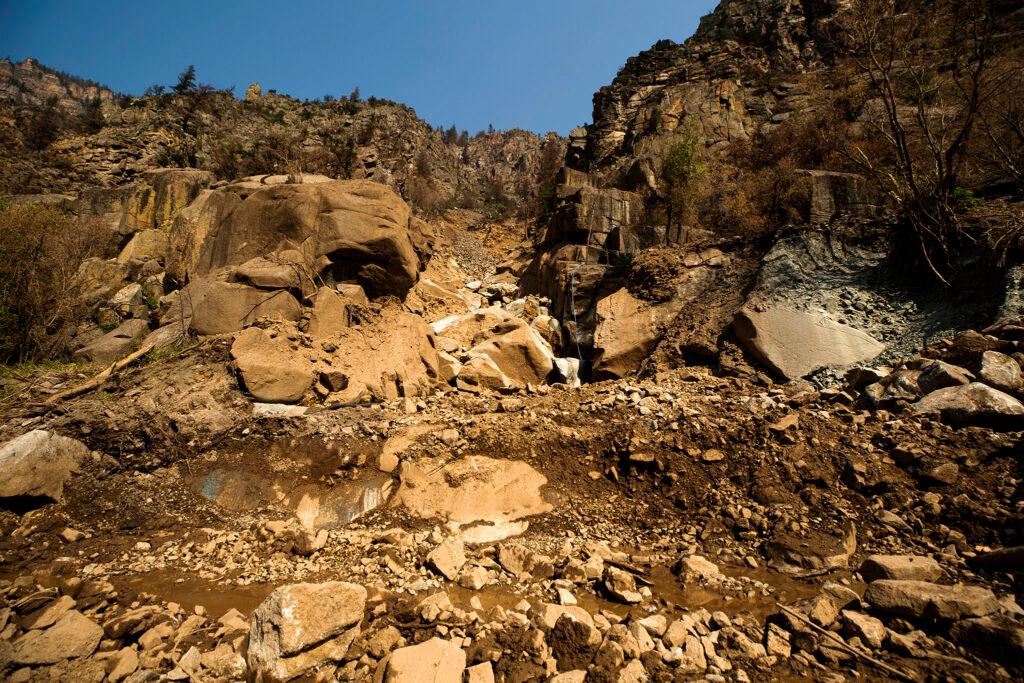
(264, 133)
(30, 83)
(291, 418)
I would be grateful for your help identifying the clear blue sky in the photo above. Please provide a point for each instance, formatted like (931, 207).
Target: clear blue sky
(531, 64)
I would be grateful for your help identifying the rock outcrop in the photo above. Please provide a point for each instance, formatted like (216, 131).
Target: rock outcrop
(345, 230)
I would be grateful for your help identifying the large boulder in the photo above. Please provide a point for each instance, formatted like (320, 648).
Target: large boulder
(219, 307)
(271, 370)
(302, 626)
(627, 332)
(433, 661)
(74, 636)
(518, 351)
(38, 464)
(345, 230)
(1001, 371)
(921, 599)
(115, 344)
(913, 567)
(796, 343)
(973, 403)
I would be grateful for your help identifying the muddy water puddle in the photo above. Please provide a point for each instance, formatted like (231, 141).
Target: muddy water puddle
(316, 482)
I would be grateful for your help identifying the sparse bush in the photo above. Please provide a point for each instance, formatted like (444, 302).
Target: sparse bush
(40, 305)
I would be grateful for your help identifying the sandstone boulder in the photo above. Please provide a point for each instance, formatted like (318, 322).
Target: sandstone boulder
(1001, 372)
(921, 599)
(795, 343)
(391, 355)
(301, 626)
(345, 230)
(973, 403)
(38, 464)
(912, 567)
(115, 344)
(938, 374)
(447, 559)
(480, 372)
(219, 307)
(275, 271)
(330, 314)
(271, 370)
(74, 636)
(518, 351)
(433, 661)
(627, 332)
(468, 329)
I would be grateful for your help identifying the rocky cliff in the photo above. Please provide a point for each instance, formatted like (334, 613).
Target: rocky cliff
(30, 83)
(742, 70)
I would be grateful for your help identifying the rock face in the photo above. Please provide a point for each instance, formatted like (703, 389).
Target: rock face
(301, 626)
(920, 599)
(434, 661)
(38, 464)
(271, 370)
(973, 403)
(345, 230)
(796, 343)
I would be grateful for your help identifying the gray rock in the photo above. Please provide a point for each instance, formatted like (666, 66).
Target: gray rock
(795, 343)
(920, 599)
(117, 343)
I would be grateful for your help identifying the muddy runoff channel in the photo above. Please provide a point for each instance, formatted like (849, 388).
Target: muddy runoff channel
(318, 487)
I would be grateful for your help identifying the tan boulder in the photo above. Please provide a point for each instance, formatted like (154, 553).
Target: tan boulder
(115, 344)
(218, 307)
(38, 464)
(795, 343)
(518, 351)
(390, 355)
(330, 314)
(302, 626)
(480, 372)
(627, 332)
(271, 370)
(468, 328)
(276, 271)
(364, 230)
(973, 403)
(433, 661)
(921, 599)
(74, 636)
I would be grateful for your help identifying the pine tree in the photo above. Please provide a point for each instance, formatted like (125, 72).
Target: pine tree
(186, 81)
